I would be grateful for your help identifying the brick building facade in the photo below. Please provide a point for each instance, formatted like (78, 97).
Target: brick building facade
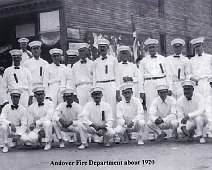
(161, 19)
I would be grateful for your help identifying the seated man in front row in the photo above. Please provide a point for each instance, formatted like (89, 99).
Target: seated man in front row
(162, 114)
(130, 115)
(98, 117)
(39, 118)
(190, 109)
(13, 120)
(67, 117)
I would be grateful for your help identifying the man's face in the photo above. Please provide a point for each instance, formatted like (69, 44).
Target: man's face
(127, 94)
(198, 48)
(103, 49)
(40, 96)
(15, 99)
(16, 59)
(188, 91)
(152, 49)
(23, 46)
(125, 55)
(83, 53)
(163, 94)
(36, 50)
(69, 98)
(178, 48)
(97, 96)
(56, 58)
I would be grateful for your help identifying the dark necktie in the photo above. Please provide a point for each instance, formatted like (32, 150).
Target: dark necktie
(189, 98)
(124, 62)
(127, 101)
(153, 56)
(40, 104)
(14, 107)
(57, 65)
(103, 58)
(97, 104)
(16, 67)
(199, 55)
(83, 61)
(176, 56)
(68, 106)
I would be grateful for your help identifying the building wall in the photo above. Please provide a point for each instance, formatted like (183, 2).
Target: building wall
(184, 18)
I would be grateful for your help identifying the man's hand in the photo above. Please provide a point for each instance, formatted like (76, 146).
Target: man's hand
(62, 122)
(101, 132)
(32, 126)
(185, 119)
(97, 128)
(30, 100)
(127, 79)
(13, 128)
(158, 121)
(118, 96)
(130, 125)
(69, 123)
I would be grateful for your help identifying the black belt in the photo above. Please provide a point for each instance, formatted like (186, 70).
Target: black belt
(105, 81)
(154, 78)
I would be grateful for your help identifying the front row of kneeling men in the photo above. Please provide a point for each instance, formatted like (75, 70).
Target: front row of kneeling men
(36, 124)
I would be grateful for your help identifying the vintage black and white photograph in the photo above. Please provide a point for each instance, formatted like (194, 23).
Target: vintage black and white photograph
(105, 84)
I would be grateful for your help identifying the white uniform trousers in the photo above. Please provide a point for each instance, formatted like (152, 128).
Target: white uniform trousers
(83, 93)
(107, 135)
(138, 127)
(203, 88)
(55, 93)
(77, 129)
(198, 123)
(168, 124)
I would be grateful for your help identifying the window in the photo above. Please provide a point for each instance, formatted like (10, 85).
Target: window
(163, 44)
(161, 7)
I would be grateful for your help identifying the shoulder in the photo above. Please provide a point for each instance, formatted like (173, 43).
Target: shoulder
(61, 105)
(171, 99)
(48, 102)
(180, 100)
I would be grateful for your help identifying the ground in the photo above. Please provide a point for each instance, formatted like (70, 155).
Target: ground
(168, 155)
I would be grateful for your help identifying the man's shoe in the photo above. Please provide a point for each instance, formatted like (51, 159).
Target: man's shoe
(107, 144)
(47, 147)
(83, 146)
(5, 149)
(62, 145)
(202, 140)
(151, 136)
(140, 142)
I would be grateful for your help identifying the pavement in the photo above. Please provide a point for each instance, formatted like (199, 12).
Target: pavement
(156, 155)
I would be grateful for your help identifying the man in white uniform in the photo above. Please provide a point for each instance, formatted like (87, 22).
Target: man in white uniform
(201, 67)
(13, 120)
(106, 74)
(130, 114)
(26, 55)
(36, 65)
(155, 70)
(162, 114)
(98, 117)
(39, 117)
(53, 74)
(190, 110)
(180, 67)
(208, 107)
(17, 76)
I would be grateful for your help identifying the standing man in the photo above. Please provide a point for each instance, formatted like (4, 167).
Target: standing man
(155, 70)
(36, 65)
(162, 114)
(17, 76)
(180, 67)
(190, 110)
(83, 74)
(39, 117)
(128, 72)
(106, 74)
(130, 114)
(13, 120)
(98, 117)
(67, 118)
(201, 67)
(53, 73)
(26, 55)
(72, 57)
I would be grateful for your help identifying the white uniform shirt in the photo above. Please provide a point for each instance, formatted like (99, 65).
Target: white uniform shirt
(18, 116)
(192, 108)
(3, 96)
(17, 78)
(208, 108)
(129, 112)
(92, 113)
(106, 69)
(74, 113)
(150, 67)
(36, 67)
(130, 70)
(181, 63)
(25, 56)
(201, 66)
(39, 114)
(164, 109)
